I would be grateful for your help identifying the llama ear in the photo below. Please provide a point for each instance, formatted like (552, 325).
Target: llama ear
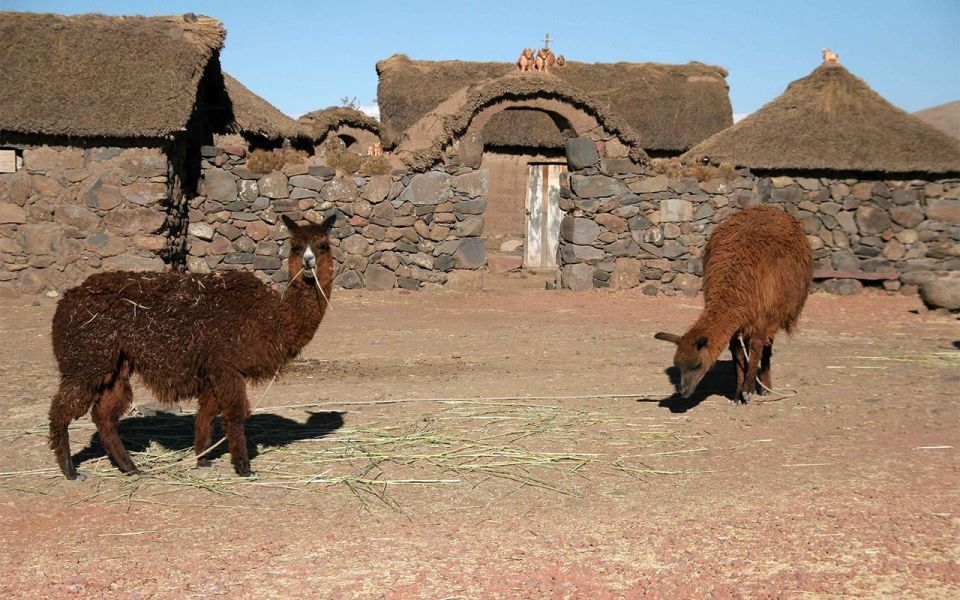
(328, 223)
(701, 342)
(290, 224)
(668, 337)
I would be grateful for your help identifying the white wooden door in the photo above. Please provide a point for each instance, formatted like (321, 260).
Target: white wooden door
(543, 216)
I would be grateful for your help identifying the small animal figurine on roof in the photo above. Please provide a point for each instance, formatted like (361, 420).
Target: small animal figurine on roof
(829, 57)
(525, 62)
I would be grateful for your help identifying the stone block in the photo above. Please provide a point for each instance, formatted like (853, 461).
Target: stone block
(474, 185)
(78, 217)
(944, 211)
(597, 186)
(220, 185)
(11, 213)
(274, 185)
(577, 277)
(577, 230)
(573, 253)
(941, 293)
(581, 153)
(676, 210)
(307, 182)
(348, 280)
(428, 188)
(872, 220)
(470, 254)
(649, 185)
(504, 263)
(626, 273)
(842, 287)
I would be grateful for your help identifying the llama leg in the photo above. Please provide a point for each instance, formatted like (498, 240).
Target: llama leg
(739, 363)
(765, 377)
(203, 429)
(755, 348)
(113, 404)
(69, 403)
(231, 394)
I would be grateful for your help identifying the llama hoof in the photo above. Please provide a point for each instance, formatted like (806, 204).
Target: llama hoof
(242, 468)
(204, 463)
(77, 476)
(747, 397)
(133, 472)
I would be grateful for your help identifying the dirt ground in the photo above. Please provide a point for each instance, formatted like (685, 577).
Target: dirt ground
(512, 444)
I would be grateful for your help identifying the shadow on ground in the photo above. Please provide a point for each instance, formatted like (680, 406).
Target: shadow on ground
(721, 379)
(175, 432)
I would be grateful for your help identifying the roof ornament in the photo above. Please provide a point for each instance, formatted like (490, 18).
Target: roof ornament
(542, 60)
(829, 57)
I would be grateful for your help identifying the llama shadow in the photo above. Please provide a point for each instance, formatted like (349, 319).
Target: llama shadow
(175, 432)
(721, 379)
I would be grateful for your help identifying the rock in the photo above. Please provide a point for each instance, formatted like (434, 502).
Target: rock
(377, 188)
(470, 207)
(581, 153)
(274, 185)
(465, 280)
(348, 280)
(144, 193)
(126, 262)
(716, 186)
(842, 287)
(78, 217)
(612, 222)
(579, 230)
(470, 150)
(845, 262)
(322, 171)
(196, 264)
(846, 221)
(649, 185)
(356, 244)
(504, 263)
(613, 166)
(267, 263)
(220, 185)
(941, 293)
(687, 283)
(907, 216)
(573, 253)
(944, 211)
(307, 182)
(862, 191)
(905, 197)
(137, 220)
(893, 250)
(210, 151)
(675, 209)
(474, 185)
(577, 277)
(379, 278)
(781, 182)
(872, 220)
(470, 254)
(382, 214)
(100, 196)
(624, 247)
(673, 249)
(428, 188)
(339, 190)
(511, 245)
(257, 230)
(626, 273)
(597, 186)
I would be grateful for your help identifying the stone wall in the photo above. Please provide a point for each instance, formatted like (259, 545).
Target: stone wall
(624, 228)
(73, 211)
(406, 230)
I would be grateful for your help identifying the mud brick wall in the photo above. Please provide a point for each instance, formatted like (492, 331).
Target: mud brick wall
(70, 212)
(625, 229)
(412, 231)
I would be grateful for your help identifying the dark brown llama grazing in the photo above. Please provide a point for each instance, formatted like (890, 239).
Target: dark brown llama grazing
(757, 272)
(185, 335)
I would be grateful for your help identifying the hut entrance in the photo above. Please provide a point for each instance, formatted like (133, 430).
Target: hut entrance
(542, 232)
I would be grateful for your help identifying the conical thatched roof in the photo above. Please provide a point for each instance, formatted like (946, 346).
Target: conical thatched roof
(831, 120)
(670, 107)
(253, 114)
(93, 75)
(322, 122)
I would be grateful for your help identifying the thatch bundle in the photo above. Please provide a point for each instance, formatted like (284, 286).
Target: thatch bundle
(93, 75)
(322, 122)
(669, 107)
(831, 120)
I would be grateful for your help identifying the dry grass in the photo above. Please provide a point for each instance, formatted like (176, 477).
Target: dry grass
(266, 161)
(469, 443)
(673, 169)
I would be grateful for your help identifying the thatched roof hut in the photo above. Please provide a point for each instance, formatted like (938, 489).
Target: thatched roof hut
(322, 122)
(831, 120)
(668, 107)
(251, 114)
(100, 76)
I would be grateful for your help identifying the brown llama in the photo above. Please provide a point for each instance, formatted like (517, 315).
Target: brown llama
(186, 336)
(757, 272)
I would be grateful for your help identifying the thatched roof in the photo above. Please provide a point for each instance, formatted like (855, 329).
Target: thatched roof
(670, 107)
(93, 75)
(831, 120)
(322, 122)
(253, 114)
(523, 127)
(945, 117)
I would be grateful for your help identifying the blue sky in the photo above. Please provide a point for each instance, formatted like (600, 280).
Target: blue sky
(302, 56)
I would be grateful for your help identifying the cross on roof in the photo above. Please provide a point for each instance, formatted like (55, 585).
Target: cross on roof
(547, 41)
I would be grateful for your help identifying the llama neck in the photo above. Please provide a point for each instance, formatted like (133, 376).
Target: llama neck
(301, 309)
(718, 326)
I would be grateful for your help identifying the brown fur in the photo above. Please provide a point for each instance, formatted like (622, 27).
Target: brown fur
(757, 272)
(186, 336)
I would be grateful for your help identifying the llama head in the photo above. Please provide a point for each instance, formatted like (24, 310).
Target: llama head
(692, 358)
(310, 249)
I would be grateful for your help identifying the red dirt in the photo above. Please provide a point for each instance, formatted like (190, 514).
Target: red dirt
(848, 489)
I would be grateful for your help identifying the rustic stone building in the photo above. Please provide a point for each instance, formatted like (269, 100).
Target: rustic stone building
(104, 118)
(357, 132)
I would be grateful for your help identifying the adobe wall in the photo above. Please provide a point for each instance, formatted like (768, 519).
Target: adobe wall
(406, 230)
(73, 211)
(626, 229)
